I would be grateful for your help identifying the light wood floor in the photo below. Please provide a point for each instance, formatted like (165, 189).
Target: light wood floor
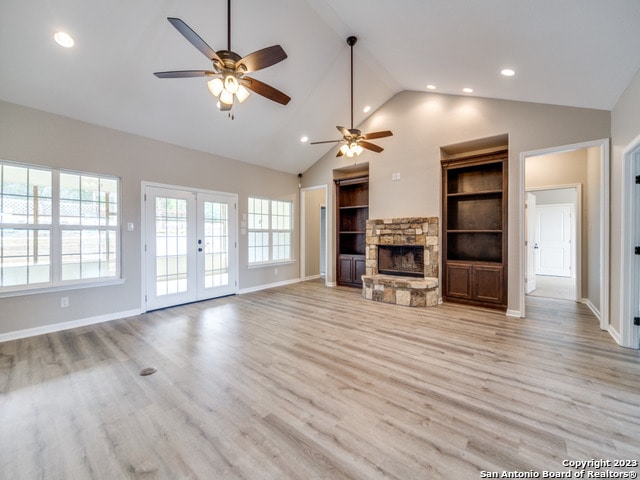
(309, 382)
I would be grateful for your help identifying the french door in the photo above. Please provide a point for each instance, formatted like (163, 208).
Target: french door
(190, 245)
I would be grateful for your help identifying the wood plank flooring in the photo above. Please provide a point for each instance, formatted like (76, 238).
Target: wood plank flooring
(309, 382)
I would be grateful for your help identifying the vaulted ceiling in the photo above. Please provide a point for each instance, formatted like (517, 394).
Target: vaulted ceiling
(579, 53)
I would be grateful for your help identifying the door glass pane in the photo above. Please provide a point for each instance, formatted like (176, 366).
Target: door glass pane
(171, 241)
(216, 244)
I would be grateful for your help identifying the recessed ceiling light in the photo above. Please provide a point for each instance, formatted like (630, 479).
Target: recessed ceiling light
(304, 139)
(431, 87)
(507, 72)
(467, 90)
(367, 109)
(63, 39)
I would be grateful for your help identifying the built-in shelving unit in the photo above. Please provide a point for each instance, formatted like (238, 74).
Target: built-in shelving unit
(475, 229)
(352, 200)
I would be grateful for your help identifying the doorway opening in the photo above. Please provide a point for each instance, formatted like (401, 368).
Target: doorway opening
(629, 332)
(313, 245)
(553, 242)
(585, 164)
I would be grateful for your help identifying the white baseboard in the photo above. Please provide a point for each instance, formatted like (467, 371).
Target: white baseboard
(592, 307)
(616, 336)
(269, 285)
(57, 327)
(312, 277)
(331, 284)
(514, 313)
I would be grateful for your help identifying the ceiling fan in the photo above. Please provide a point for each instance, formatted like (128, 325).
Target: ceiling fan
(353, 140)
(229, 74)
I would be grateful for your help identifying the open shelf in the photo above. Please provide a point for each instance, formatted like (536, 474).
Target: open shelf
(352, 200)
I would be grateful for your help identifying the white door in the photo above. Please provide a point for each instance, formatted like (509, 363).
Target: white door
(530, 213)
(553, 238)
(190, 246)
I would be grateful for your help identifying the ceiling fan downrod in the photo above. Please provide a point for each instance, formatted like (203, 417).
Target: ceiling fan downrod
(229, 25)
(351, 41)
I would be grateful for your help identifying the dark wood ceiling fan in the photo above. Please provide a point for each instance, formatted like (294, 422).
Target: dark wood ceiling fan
(353, 140)
(229, 78)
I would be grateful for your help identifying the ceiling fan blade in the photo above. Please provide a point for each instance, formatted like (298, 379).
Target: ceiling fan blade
(194, 39)
(374, 135)
(344, 131)
(262, 59)
(370, 146)
(184, 73)
(265, 90)
(325, 141)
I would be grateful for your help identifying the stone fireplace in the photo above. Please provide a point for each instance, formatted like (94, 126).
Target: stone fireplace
(402, 261)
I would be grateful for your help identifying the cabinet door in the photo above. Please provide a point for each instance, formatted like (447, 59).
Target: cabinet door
(345, 269)
(487, 283)
(359, 269)
(458, 280)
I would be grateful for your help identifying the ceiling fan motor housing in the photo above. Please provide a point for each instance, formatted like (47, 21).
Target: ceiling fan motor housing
(228, 58)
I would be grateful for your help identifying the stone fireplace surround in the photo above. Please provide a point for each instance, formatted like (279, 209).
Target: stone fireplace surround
(397, 289)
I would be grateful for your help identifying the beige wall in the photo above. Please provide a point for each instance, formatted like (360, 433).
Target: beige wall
(569, 168)
(40, 138)
(424, 122)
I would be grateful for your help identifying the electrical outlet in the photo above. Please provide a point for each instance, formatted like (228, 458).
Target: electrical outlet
(64, 302)
(275, 271)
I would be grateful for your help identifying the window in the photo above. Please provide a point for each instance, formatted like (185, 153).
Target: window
(269, 230)
(56, 227)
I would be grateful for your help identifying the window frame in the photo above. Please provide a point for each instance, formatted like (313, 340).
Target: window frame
(271, 232)
(56, 229)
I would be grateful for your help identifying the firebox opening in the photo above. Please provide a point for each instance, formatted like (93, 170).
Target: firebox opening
(402, 260)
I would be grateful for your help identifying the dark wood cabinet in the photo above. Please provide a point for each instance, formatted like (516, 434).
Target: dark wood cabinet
(352, 201)
(474, 229)
(350, 269)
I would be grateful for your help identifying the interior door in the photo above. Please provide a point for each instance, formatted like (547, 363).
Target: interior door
(530, 213)
(190, 246)
(553, 236)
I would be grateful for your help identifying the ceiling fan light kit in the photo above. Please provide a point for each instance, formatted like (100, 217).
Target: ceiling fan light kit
(229, 81)
(353, 141)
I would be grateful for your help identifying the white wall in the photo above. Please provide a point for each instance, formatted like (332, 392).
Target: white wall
(423, 122)
(40, 138)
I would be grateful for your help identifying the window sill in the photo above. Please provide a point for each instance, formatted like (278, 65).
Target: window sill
(62, 287)
(270, 264)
